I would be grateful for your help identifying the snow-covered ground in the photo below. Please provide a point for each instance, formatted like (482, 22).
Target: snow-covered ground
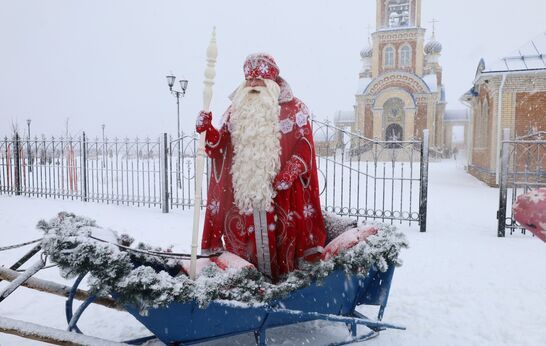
(460, 284)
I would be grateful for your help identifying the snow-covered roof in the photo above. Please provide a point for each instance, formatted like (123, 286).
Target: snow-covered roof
(432, 82)
(397, 28)
(344, 116)
(467, 96)
(530, 56)
(362, 85)
(456, 115)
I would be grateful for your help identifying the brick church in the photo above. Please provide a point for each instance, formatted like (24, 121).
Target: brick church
(509, 93)
(400, 90)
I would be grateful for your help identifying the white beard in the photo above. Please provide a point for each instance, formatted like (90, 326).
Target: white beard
(256, 142)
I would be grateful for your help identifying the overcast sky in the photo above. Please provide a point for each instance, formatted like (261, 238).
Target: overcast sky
(105, 61)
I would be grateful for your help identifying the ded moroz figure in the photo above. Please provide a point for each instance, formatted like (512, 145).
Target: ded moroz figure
(263, 198)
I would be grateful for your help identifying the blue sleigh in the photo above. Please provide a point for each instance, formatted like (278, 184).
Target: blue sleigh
(334, 299)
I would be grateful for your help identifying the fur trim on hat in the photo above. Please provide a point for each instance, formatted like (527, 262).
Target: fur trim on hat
(285, 94)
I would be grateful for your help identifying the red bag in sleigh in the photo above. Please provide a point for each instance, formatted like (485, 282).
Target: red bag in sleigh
(347, 240)
(226, 260)
(530, 212)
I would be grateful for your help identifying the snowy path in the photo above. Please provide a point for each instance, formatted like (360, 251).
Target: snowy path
(460, 284)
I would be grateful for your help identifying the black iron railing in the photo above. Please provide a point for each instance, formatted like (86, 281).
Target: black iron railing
(522, 168)
(359, 177)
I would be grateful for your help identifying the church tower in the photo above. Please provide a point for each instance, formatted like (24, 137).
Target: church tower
(399, 39)
(400, 90)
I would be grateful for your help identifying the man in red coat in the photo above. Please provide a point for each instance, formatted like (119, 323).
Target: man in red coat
(263, 197)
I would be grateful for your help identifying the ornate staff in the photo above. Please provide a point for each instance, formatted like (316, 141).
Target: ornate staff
(210, 73)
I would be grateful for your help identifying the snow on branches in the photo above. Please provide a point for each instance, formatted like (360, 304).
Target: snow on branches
(147, 280)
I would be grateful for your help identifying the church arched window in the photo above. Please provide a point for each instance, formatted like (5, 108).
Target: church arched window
(405, 56)
(388, 60)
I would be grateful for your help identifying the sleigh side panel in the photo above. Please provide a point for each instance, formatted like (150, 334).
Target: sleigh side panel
(181, 322)
(334, 295)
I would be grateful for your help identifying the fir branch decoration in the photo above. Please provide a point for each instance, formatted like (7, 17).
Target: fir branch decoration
(148, 281)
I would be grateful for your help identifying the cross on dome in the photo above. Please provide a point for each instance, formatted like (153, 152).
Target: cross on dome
(434, 21)
(433, 46)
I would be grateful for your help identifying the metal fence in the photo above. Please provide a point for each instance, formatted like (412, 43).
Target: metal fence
(110, 171)
(358, 177)
(372, 179)
(181, 172)
(523, 168)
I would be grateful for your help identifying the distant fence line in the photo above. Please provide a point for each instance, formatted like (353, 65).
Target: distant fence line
(359, 177)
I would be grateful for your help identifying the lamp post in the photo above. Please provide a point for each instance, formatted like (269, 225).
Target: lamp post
(29, 160)
(183, 86)
(103, 146)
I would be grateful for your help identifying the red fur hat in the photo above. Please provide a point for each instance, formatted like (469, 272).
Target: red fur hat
(261, 65)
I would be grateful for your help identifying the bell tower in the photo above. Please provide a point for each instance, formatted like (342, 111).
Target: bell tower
(399, 39)
(392, 14)
(400, 90)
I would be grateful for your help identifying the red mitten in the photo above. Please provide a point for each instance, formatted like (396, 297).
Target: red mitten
(530, 212)
(203, 122)
(293, 169)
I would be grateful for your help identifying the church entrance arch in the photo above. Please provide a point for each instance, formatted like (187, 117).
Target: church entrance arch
(393, 119)
(393, 106)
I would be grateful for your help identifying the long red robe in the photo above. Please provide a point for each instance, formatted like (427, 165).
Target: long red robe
(294, 225)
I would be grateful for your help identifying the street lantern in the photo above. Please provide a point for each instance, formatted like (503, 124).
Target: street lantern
(29, 152)
(170, 81)
(183, 86)
(28, 126)
(104, 149)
